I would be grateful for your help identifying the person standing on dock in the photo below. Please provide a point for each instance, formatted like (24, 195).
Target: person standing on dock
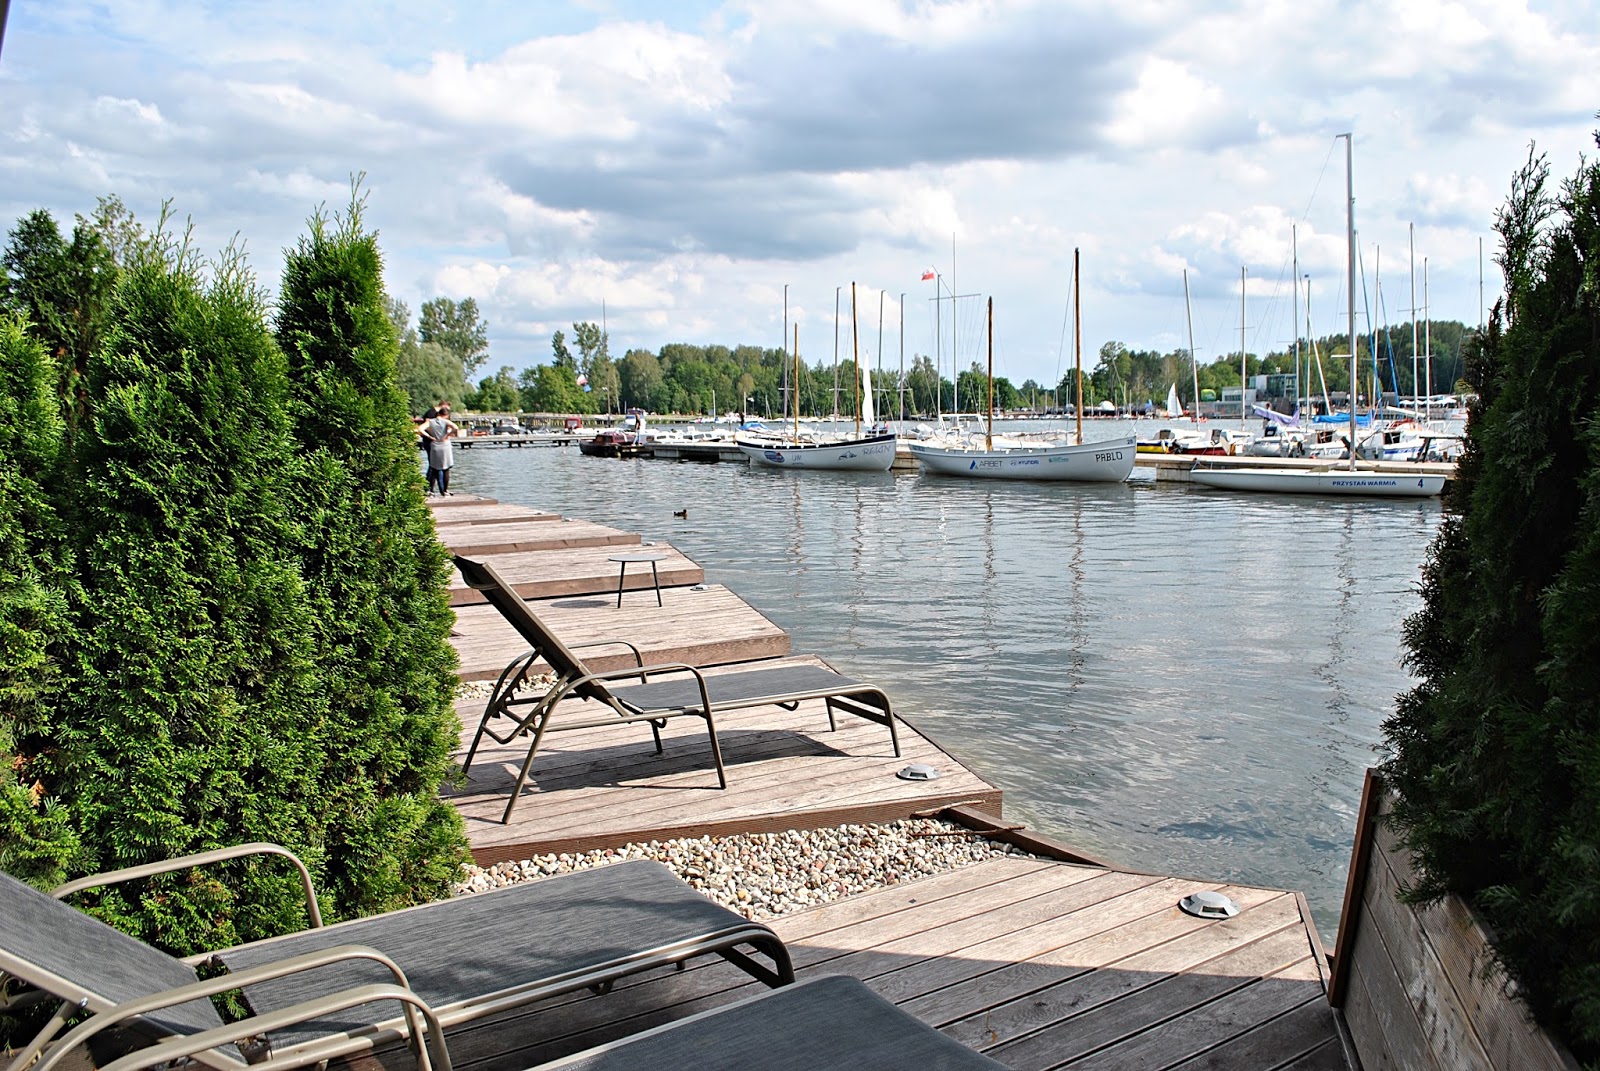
(437, 431)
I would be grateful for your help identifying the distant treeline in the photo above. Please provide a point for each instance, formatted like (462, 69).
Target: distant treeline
(438, 357)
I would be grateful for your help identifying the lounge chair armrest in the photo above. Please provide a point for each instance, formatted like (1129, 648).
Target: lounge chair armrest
(637, 657)
(308, 1052)
(566, 688)
(209, 987)
(216, 855)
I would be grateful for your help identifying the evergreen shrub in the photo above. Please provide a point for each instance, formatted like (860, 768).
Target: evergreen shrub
(1496, 751)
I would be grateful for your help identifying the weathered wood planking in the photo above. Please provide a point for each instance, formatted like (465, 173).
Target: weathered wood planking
(547, 574)
(603, 787)
(701, 628)
(456, 500)
(477, 540)
(1416, 991)
(1092, 968)
(491, 513)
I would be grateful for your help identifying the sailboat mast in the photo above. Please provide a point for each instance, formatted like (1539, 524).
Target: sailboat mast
(988, 436)
(1194, 363)
(1416, 377)
(836, 291)
(796, 383)
(1294, 315)
(1350, 281)
(783, 342)
(874, 401)
(1244, 369)
(1077, 338)
(900, 409)
(855, 356)
(955, 348)
(938, 350)
(1427, 340)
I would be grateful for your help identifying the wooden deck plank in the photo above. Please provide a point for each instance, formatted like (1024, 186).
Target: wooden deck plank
(606, 786)
(1211, 1026)
(701, 628)
(491, 513)
(549, 574)
(1304, 1028)
(458, 499)
(1094, 969)
(1260, 1000)
(1137, 1029)
(479, 540)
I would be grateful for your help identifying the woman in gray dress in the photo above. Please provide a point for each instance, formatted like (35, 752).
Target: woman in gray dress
(438, 433)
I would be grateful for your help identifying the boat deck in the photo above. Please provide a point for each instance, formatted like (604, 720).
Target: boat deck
(1038, 964)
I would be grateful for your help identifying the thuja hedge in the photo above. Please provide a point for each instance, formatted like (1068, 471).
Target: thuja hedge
(1496, 752)
(251, 640)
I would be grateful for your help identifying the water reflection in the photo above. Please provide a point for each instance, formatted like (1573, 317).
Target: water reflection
(1181, 679)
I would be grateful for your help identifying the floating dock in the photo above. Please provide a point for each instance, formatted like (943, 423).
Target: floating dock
(1042, 961)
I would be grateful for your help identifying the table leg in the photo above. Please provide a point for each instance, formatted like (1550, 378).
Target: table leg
(656, 580)
(622, 575)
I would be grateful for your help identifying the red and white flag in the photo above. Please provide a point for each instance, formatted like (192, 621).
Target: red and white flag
(927, 275)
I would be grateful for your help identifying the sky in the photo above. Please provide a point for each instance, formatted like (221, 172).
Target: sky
(668, 169)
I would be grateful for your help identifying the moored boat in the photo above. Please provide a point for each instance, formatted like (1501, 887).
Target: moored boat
(1110, 461)
(611, 444)
(1320, 482)
(873, 453)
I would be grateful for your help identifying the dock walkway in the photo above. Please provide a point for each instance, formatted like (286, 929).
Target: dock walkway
(1037, 962)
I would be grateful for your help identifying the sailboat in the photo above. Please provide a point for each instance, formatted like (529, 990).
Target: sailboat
(1329, 481)
(1110, 461)
(861, 453)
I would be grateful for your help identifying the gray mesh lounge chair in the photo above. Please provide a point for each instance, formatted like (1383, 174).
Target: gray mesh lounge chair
(833, 1023)
(692, 694)
(316, 993)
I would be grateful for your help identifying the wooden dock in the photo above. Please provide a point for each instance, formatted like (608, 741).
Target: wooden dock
(545, 574)
(602, 788)
(1038, 964)
(475, 540)
(490, 513)
(701, 627)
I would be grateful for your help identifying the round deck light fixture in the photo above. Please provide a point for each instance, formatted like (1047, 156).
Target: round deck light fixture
(918, 771)
(1208, 904)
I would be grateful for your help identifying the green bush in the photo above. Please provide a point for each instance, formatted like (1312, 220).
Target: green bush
(37, 842)
(376, 577)
(1496, 752)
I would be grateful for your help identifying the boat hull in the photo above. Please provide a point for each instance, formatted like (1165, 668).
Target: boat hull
(1110, 461)
(872, 454)
(1362, 484)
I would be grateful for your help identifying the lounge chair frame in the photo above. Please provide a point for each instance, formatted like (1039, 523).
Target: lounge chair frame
(319, 963)
(700, 696)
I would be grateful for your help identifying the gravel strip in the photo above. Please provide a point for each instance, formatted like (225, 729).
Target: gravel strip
(762, 875)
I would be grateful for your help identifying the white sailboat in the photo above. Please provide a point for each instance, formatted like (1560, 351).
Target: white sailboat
(1110, 461)
(1329, 481)
(860, 453)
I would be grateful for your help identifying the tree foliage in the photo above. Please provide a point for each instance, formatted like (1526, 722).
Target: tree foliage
(1496, 752)
(375, 579)
(222, 608)
(455, 326)
(37, 842)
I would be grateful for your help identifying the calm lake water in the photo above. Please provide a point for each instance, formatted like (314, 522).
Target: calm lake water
(1177, 679)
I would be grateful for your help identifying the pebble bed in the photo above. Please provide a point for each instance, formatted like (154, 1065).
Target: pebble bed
(763, 875)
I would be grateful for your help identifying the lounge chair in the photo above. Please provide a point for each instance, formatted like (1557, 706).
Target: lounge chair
(692, 694)
(314, 993)
(834, 1023)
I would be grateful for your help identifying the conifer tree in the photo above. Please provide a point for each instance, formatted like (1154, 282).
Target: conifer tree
(1496, 752)
(190, 721)
(376, 576)
(36, 840)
